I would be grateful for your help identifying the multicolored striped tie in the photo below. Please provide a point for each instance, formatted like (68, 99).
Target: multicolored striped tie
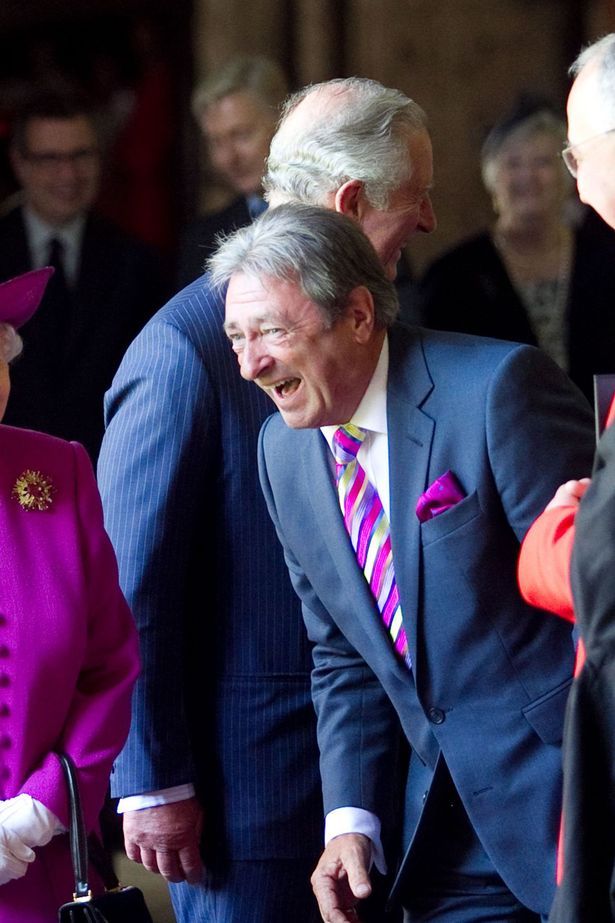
(368, 528)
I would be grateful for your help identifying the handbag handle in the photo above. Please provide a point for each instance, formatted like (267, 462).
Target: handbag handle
(77, 833)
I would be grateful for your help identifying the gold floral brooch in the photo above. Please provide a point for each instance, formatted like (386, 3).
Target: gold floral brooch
(33, 491)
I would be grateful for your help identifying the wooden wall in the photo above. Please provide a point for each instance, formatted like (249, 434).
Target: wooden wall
(464, 61)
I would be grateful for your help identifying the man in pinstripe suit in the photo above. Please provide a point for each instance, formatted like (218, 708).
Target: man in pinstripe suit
(220, 768)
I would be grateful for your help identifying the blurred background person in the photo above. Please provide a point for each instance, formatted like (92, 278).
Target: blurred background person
(106, 284)
(236, 109)
(543, 273)
(68, 645)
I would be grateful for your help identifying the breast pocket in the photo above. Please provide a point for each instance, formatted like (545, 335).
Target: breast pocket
(446, 523)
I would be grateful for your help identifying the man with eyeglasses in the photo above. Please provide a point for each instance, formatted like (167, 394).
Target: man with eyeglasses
(567, 562)
(105, 287)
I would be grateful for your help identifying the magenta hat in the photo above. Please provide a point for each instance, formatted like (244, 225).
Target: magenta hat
(21, 296)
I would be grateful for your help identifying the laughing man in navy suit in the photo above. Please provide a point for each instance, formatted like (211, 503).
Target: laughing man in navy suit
(464, 440)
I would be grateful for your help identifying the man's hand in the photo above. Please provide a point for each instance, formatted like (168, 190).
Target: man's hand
(341, 878)
(166, 839)
(569, 494)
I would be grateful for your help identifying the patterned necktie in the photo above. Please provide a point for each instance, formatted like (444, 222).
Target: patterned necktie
(368, 528)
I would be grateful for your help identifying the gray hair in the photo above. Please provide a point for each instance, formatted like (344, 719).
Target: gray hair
(256, 74)
(325, 252)
(10, 343)
(602, 52)
(541, 122)
(360, 132)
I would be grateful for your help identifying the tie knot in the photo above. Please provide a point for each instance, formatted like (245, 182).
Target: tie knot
(347, 441)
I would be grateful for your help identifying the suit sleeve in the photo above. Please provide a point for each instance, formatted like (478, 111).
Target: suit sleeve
(359, 733)
(153, 462)
(97, 722)
(540, 433)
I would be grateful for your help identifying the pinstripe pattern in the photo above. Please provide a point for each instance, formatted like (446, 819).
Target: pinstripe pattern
(224, 698)
(368, 528)
(262, 890)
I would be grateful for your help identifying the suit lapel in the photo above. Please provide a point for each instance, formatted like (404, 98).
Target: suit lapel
(410, 440)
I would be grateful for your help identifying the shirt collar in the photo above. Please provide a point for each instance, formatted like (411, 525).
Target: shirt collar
(41, 233)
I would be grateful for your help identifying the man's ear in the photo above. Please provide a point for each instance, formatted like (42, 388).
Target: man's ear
(360, 312)
(349, 199)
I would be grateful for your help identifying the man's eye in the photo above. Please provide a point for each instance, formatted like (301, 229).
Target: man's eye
(271, 331)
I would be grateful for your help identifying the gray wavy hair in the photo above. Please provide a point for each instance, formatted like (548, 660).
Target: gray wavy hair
(602, 52)
(10, 343)
(256, 74)
(325, 252)
(360, 132)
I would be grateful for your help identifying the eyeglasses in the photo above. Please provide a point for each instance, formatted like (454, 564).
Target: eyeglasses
(51, 160)
(570, 156)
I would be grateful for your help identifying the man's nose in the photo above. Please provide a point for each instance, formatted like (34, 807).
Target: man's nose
(427, 217)
(254, 360)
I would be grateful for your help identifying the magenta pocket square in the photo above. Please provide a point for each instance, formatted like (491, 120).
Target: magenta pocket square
(440, 496)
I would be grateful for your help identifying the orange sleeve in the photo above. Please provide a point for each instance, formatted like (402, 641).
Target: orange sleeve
(544, 562)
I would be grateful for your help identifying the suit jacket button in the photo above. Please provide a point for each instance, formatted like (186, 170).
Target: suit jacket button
(5, 680)
(5, 711)
(436, 715)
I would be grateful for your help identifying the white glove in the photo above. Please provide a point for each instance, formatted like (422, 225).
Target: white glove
(30, 820)
(14, 856)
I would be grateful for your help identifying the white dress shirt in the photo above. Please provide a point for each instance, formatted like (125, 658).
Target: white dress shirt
(373, 456)
(40, 234)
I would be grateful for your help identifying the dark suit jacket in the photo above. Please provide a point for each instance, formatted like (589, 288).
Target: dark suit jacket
(198, 241)
(58, 387)
(223, 700)
(491, 675)
(468, 289)
(587, 891)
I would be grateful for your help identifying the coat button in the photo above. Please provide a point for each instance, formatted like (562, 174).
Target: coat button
(436, 715)
(2, 619)
(4, 651)
(5, 680)
(5, 742)
(5, 711)
(5, 772)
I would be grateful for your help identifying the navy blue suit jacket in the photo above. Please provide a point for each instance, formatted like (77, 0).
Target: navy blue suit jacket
(224, 696)
(490, 675)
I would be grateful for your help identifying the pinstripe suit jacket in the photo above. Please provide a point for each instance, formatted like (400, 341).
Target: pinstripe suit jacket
(224, 699)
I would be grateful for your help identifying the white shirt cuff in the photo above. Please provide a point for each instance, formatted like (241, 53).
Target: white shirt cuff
(155, 799)
(357, 820)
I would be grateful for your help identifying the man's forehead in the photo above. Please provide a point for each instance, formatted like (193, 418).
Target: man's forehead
(262, 297)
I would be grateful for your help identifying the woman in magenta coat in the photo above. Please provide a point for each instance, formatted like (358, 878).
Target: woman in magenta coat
(68, 649)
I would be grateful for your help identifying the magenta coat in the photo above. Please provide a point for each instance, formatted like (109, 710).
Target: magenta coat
(68, 649)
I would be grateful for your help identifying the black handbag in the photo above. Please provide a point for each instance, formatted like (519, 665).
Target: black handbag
(117, 905)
